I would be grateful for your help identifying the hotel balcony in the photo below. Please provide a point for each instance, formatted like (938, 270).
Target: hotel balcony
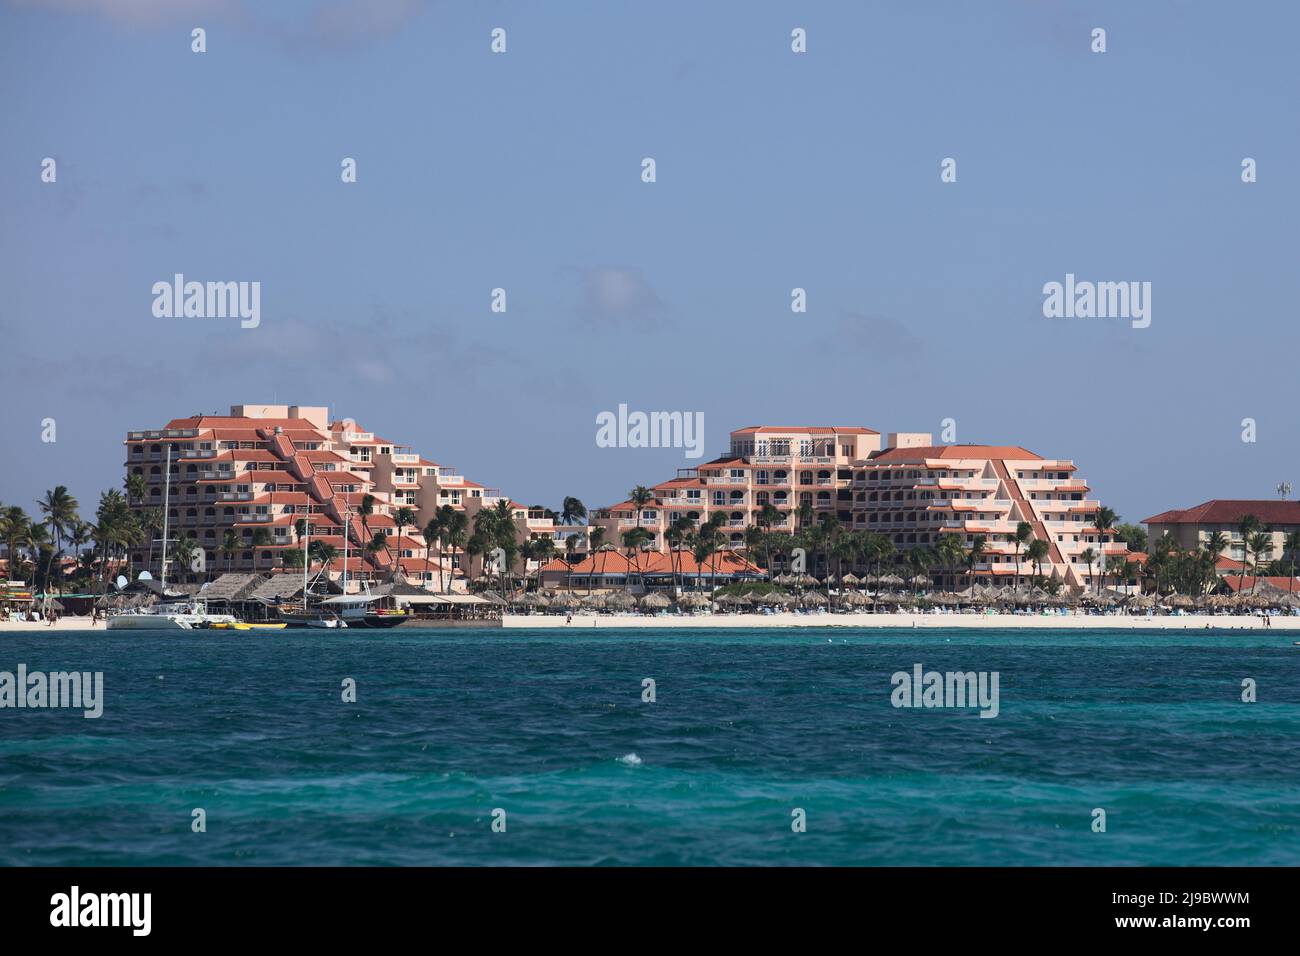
(160, 433)
(643, 523)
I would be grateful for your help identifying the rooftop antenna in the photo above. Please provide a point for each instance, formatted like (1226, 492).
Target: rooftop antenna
(1284, 490)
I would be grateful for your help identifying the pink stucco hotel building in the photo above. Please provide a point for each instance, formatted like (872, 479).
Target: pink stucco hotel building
(905, 487)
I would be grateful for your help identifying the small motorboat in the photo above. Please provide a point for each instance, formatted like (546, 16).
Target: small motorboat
(323, 622)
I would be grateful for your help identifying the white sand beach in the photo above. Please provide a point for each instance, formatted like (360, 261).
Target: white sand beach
(1169, 622)
(63, 624)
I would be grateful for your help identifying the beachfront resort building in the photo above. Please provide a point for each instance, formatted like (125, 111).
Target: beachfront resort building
(907, 488)
(241, 482)
(783, 467)
(1191, 528)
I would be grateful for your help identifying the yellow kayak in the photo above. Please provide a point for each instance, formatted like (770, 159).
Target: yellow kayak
(245, 626)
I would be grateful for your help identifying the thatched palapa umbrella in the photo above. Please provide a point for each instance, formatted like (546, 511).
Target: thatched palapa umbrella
(620, 600)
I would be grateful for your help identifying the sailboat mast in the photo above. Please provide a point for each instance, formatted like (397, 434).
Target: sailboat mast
(306, 559)
(167, 494)
(347, 515)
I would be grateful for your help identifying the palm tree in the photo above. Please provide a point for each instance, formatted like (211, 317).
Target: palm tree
(229, 546)
(116, 528)
(78, 536)
(919, 560)
(633, 539)
(323, 552)
(1088, 556)
(60, 510)
(1024, 532)
(455, 530)
(1104, 521)
(1261, 543)
(674, 537)
(950, 553)
(477, 546)
(595, 543)
(136, 487)
(712, 532)
(846, 546)
(604, 550)
(1248, 526)
(807, 514)
(701, 548)
(640, 496)
(378, 542)
(1038, 550)
(570, 553)
(433, 531)
(36, 539)
(769, 515)
(543, 552)
(365, 510)
(151, 523)
(527, 552)
(403, 517)
(573, 511)
(1214, 546)
(13, 530)
(884, 549)
(261, 539)
(973, 557)
(183, 553)
(1290, 545)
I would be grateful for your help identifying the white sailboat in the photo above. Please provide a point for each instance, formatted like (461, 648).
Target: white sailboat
(172, 616)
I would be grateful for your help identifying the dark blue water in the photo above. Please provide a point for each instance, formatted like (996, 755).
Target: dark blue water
(747, 726)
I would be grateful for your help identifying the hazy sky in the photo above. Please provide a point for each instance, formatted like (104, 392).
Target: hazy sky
(775, 170)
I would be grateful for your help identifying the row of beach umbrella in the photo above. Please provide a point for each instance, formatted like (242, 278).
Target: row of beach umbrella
(1267, 597)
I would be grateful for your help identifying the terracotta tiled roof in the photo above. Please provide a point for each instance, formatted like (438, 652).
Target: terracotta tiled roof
(653, 562)
(975, 452)
(219, 421)
(1245, 584)
(1231, 511)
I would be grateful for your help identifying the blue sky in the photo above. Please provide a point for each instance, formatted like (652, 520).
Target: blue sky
(775, 170)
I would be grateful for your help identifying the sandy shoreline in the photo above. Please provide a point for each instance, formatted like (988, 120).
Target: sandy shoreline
(63, 624)
(1197, 622)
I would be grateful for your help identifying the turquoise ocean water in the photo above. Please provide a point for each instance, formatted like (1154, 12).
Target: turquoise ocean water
(748, 725)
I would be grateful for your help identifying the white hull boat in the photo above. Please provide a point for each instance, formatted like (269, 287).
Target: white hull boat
(150, 620)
